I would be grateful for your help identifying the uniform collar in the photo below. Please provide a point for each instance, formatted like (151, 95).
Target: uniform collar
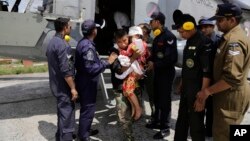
(227, 35)
(163, 30)
(92, 42)
(59, 35)
(196, 36)
(213, 37)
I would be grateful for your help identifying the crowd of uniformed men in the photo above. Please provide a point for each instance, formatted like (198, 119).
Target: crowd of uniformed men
(213, 80)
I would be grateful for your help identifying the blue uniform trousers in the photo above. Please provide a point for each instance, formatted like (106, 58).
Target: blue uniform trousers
(66, 118)
(88, 104)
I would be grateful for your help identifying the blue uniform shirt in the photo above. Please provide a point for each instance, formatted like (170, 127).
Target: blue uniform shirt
(87, 62)
(60, 64)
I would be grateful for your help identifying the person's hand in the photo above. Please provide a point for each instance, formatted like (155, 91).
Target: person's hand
(112, 57)
(123, 69)
(74, 94)
(202, 95)
(138, 76)
(199, 106)
(179, 88)
(136, 54)
(150, 65)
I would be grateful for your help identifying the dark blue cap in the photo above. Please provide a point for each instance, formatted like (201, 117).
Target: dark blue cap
(227, 10)
(88, 25)
(157, 16)
(205, 21)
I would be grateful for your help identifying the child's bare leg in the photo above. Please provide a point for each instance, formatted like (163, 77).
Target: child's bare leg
(135, 103)
(132, 107)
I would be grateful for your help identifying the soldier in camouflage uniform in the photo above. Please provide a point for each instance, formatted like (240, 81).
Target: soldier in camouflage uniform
(123, 106)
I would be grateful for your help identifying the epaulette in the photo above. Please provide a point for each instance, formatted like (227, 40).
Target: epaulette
(234, 44)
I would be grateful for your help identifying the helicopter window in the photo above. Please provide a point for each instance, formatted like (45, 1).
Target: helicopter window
(33, 6)
(4, 5)
(19, 6)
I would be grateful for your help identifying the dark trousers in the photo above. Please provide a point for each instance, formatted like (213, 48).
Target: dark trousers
(187, 117)
(88, 104)
(149, 86)
(66, 118)
(162, 97)
(209, 115)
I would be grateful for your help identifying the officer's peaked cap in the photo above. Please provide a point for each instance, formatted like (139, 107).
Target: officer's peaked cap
(227, 10)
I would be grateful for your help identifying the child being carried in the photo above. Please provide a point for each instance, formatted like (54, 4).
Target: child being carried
(135, 69)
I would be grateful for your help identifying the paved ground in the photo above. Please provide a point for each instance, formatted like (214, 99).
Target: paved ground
(28, 112)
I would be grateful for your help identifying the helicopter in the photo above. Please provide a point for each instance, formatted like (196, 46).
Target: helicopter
(27, 25)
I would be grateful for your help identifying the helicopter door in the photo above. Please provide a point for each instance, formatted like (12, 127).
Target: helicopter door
(105, 9)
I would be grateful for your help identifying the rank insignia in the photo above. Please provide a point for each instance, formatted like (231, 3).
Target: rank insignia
(192, 47)
(234, 44)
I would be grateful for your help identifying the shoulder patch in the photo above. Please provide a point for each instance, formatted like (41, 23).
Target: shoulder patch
(170, 42)
(90, 55)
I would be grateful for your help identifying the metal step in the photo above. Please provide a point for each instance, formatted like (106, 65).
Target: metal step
(105, 82)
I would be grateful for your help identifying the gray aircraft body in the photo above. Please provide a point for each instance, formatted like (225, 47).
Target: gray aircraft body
(27, 25)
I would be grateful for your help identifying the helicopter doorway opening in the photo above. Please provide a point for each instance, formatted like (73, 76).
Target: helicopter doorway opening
(105, 9)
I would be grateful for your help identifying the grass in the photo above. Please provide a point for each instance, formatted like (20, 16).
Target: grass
(19, 69)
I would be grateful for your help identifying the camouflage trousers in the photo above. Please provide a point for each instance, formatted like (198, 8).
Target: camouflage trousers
(124, 113)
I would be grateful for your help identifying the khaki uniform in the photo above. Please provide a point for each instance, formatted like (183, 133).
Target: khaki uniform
(232, 61)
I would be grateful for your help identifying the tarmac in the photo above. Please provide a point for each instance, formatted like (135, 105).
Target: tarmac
(28, 112)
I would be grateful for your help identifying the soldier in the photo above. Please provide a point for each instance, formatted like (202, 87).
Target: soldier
(122, 104)
(163, 59)
(231, 65)
(61, 78)
(196, 74)
(88, 67)
(207, 28)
